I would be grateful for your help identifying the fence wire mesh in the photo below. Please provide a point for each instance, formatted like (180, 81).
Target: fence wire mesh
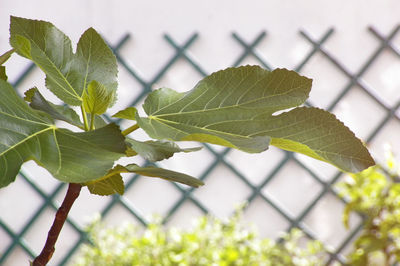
(263, 190)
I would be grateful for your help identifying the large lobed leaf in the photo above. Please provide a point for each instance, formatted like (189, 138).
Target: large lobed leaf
(57, 112)
(233, 95)
(67, 74)
(235, 108)
(68, 156)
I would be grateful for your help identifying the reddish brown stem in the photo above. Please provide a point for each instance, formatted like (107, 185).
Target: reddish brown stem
(59, 220)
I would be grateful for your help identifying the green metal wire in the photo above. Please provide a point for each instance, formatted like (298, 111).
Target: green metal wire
(218, 157)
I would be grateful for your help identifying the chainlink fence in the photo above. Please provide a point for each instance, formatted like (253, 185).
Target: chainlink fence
(283, 190)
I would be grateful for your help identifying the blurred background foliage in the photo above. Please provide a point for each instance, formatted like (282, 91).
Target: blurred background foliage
(373, 193)
(211, 241)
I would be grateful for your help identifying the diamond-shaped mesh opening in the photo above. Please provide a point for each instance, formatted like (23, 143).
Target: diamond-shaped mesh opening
(383, 77)
(325, 221)
(347, 53)
(396, 40)
(135, 55)
(120, 213)
(5, 240)
(324, 171)
(17, 257)
(183, 162)
(293, 188)
(353, 108)
(181, 76)
(185, 215)
(384, 137)
(222, 187)
(268, 221)
(40, 177)
(255, 167)
(283, 49)
(11, 196)
(324, 91)
(152, 196)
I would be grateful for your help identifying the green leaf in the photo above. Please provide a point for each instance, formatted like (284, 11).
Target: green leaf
(67, 74)
(97, 98)
(154, 151)
(111, 185)
(151, 171)
(3, 75)
(99, 122)
(59, 112)
(4, 57)
(214, 110)
(235, 108)
(318, 134)
(128, 113)
(346, 214)
(68, 156)
(96, 61)
(50, 50)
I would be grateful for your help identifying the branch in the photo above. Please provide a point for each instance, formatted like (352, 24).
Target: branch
(130, 129)
(59, 220)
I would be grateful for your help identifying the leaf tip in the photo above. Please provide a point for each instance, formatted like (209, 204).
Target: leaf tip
(29, 94)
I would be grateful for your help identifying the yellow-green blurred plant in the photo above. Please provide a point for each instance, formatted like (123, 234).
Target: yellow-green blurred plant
(210, 242)
(375, 194)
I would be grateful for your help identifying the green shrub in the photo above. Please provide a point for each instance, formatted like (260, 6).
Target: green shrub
(210, 242)
(375, 194)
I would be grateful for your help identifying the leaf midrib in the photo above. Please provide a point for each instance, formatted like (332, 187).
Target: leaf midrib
(24, 119)
(27, 139)
(220, 107)
(160, 120)
(87, 66)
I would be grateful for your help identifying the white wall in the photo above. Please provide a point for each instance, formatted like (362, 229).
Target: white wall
(351, 44)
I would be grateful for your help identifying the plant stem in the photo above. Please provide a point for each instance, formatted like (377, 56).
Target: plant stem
(130, 129)
(92, 117)
(59, 220)
(85, 120)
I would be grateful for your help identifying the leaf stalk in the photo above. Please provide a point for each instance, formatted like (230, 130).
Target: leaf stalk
(130, 130)
(85, 120)
(92, 117)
